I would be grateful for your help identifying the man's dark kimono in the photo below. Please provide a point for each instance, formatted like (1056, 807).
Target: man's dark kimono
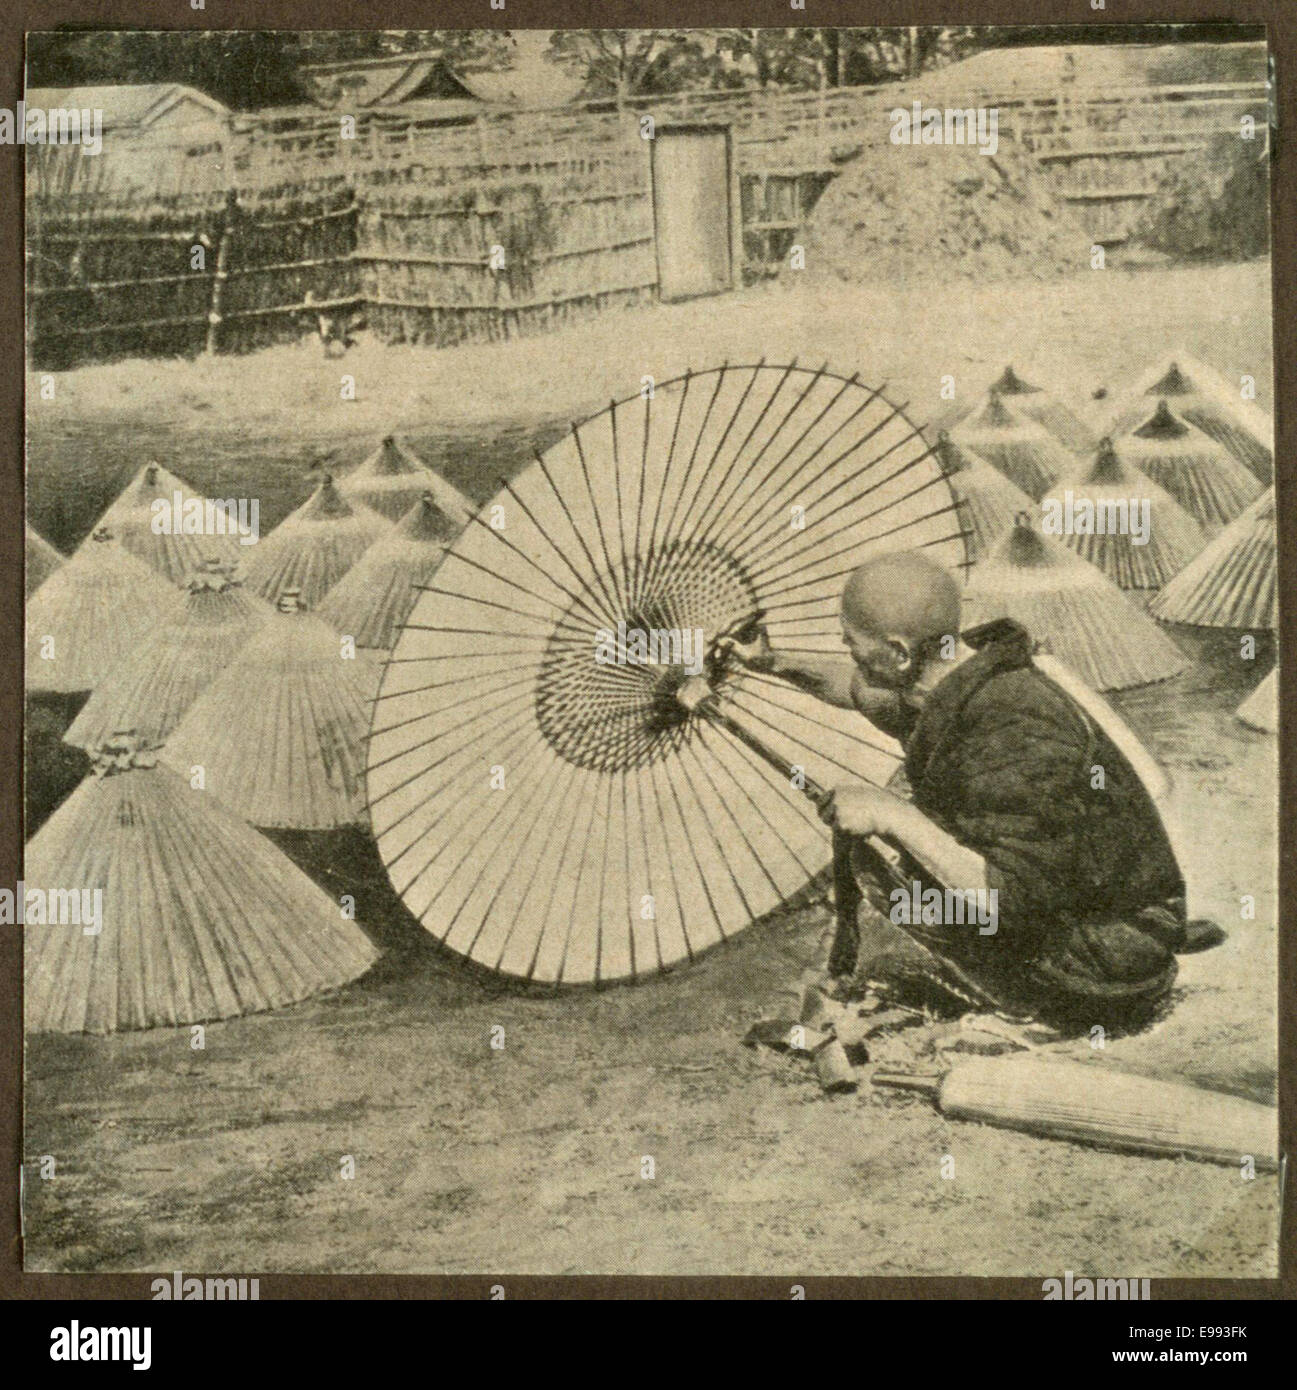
(1090, 896)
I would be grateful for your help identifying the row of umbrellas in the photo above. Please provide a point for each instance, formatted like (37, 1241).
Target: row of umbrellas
(213, 709)
(1181, 449)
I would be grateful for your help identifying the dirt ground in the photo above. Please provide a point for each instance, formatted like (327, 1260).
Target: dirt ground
(528, 1158)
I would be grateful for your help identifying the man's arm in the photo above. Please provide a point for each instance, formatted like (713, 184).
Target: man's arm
(861, 809)
(833, 679)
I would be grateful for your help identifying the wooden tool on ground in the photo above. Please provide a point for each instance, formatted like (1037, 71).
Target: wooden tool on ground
(1091, 1104)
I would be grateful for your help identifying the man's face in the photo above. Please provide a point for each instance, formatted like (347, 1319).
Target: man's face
(878, 660)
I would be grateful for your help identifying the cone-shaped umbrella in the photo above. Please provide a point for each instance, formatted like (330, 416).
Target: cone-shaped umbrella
(1232, 581)
(1023, 450)
(201, 917)
(1203, 476)
(1046, 408)
(988, 500)
(1119, 520)
(372, 600)
(91, 614)
(313, 547)
(1261, 708)
(149, 691)
(40, 560)
(169, 550)
(1072, 609)
(392, 479)
(543, 801)
(1207, 400)
(280, 733)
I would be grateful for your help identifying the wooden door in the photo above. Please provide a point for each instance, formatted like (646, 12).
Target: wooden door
(692, 212)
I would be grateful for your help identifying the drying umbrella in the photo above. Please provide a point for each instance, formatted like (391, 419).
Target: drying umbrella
(313, 547)
(280, 732)
(150, 690)
(1232, 582)
(1204, 477)
(374, 597)
(392, 479)
(1023, 450)
(1207, 400)
(1261, 708)
(91, 614)
(1046, 408)
(40, 560)
(544, 803)
(149, 521)
(988, 500)
(1072, 609)
(1109, 494)
(201, 917)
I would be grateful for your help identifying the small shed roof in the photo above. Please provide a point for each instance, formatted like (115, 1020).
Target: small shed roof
(140, 105)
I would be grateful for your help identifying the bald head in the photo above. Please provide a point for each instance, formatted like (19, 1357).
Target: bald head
(904, 595)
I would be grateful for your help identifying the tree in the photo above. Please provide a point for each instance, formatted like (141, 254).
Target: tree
(626, 63)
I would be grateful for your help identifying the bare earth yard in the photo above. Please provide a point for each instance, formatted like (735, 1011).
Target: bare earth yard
(528, 1159)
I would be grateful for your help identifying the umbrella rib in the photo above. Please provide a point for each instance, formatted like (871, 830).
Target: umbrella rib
(648, 870)
(667, 536)
(738, 525)
(576, 531)
(513, 583)
(666, 475)
(828, 757)
(482, 714)
(734, 527)
(639, 505)
(575, 598)
(583, 580)
(693, 854)
(810, 718)
(738, 825)
(609, 567)
(571, 917)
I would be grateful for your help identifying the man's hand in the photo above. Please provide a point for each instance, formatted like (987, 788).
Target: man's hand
(860, 809)
(756, 654)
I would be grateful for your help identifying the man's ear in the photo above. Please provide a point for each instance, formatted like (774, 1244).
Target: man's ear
(902, 649)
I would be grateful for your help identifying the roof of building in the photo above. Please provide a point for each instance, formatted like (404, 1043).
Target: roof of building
(143, 104)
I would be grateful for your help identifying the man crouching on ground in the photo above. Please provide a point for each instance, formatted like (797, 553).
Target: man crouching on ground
(1016, 790)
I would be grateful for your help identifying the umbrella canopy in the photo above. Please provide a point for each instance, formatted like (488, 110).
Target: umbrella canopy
(201, 917)
(313, 547)
(1203, 476)
(150, 690)
(1233, 581)
(392, 479)
(1103, 510)
(40, 560)
(544, 803)
(988, 501)
(1207, 400)
(91, 614)
(373, 599)
(149, 515)
(280, 732)
(1072, 610)
(1023, 450)
(1261, 708)
(1046, 408)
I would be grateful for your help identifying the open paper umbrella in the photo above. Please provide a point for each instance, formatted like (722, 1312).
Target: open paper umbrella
(1202, 475)
(1261, 708)
(1045, 408)
(201, 917)
(1119, 520)
(1207, 400)
(391, 480)
(313, 547)
(1023, 450)
(543, 801)
(1072, 610)
(91, 614)
(988, 500)
(40, 560)
(280, 733)
(374, 597)
(150, 690)
(1232, 582)
(150, 516)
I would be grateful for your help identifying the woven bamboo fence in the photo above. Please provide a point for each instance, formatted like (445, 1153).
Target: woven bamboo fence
(510, 222)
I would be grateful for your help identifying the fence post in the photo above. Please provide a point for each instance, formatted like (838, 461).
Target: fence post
(222, 265)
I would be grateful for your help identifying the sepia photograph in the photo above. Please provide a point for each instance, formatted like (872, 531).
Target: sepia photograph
(650, 652)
